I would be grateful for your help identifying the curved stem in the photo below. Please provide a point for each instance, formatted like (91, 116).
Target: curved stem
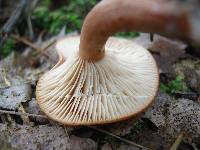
(111, 16)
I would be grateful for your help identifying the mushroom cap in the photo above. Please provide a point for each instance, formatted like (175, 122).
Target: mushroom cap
(120, 85)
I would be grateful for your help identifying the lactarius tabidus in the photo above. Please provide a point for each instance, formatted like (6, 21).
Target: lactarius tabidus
(102, 80)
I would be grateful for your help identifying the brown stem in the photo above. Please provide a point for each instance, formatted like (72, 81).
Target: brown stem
(111, 16)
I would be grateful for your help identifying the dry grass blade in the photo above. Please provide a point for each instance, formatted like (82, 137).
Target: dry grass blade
(7, 82)
(67, 136)
(25, 119)
(119, 138)
(46, 48)
(177, 142)
(49, 45)
(20, 113)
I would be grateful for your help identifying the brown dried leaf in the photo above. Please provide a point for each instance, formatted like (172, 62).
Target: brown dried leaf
(34, 138)
(165, 51)
(10, 98)
(122, 128)
(78, 143)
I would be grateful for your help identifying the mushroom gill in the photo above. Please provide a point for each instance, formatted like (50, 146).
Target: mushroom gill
(100, 79)
(116, 87)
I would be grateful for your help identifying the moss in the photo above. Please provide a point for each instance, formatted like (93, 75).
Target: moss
(8, 47)
(174, 85)
(136, 129)
(127, 34)
(71, 15)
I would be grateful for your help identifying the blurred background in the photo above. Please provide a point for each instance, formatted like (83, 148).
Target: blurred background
(47, 17)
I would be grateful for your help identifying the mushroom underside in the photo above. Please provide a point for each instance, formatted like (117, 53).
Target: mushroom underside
(78, 92)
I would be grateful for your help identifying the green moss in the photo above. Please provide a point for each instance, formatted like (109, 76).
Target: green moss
(110, 139)
(174, 85)
(7, 47)
(71, 15)
(135, 130)
(127, 34)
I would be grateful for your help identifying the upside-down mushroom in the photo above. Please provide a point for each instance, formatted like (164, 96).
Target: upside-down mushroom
(103, 80)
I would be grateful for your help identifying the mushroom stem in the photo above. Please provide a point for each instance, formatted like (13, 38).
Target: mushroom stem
(111, 16)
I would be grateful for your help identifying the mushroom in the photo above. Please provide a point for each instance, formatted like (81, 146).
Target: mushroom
(101, 79)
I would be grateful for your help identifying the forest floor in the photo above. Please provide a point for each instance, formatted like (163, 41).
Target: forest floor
(173, 119)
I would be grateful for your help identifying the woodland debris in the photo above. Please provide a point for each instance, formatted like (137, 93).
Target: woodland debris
(12, 21)
(156, 112)
(175, 116)
(189, 68)
(165, 51)
(11, 97)
(78, 143)
(38, 137)
(33, 108)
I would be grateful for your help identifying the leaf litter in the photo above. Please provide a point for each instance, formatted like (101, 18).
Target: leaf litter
(17, 86)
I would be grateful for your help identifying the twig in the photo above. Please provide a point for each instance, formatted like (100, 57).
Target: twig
(20, 113)
(30, 27)
(119, 138)
(8, 26)
(30, 44)
(49, 45)
(25, 119)
(177, 142)
(26, 42)
(46, 47)
(29, 23)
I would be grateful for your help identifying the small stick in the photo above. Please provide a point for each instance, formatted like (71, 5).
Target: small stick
(45, 48)
(28, 43)
(119, 138)
(25, 119)
(67, 136)
(30, 27)
(14, 18)
(177, 142)
(23, 114)
(48, 45)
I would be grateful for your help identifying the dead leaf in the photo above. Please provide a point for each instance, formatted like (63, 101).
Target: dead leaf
(38, 137)
(165, 51)
(121, 128)
(10, 98)
(184, 116)
(106, 147)
(156, 113)
(78, 143)
(33, 108)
